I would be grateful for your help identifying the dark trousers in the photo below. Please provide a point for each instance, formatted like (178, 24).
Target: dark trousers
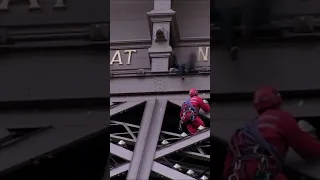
(184, 68)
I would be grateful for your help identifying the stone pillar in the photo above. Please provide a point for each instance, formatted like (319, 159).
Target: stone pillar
(160, 20)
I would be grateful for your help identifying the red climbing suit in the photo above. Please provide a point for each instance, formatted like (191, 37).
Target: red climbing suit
(197, 102)
(279, 129)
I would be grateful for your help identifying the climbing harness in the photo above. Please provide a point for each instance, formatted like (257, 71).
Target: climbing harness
(254, 139)
(189, 113)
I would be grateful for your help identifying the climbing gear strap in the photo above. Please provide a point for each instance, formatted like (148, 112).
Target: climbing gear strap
(254, 138)
(189, 112)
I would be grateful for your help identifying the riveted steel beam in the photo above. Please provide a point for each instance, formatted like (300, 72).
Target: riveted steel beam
(148, 136)
(198, 156)
(152, 97)
(120, 152)
(172, 84)
(121, 107)
(120, 169)
(182, 144)
(169, 173)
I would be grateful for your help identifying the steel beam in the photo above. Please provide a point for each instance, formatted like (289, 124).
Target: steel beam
(148, 136)
(126, 140)
(198, 156)
(121, 107)
(3, 133)
(182, 144)
(120, 152)
(169, 173)
(152, 97)
(179, 102)
(120, 169)
(118, 86)
(43, 143)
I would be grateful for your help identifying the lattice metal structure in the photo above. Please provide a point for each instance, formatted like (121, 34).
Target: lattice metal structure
(145, 148)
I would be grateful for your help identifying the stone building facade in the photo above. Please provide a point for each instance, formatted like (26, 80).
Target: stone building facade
(143, 35)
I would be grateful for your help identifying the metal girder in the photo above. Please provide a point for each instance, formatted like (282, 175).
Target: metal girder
(3, 133)
(148, 136)
(126, 140)
(195, 168)
(197, 156)
(179, 102)
(152, 97)
(88, 117)
(43, 143)
(169, 173)
(161, 84)
(120, 152)
(182, 144)
(120, 169)
(123, 106)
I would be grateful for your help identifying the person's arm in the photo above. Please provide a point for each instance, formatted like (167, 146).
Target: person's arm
(303, 143)
(205, 107)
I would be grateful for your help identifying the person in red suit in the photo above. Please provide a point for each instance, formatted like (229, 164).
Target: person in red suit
(257, 150)
(189, 113)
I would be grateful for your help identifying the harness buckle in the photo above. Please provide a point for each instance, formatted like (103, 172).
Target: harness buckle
(237, 165)
(264, 164)
(233, 176)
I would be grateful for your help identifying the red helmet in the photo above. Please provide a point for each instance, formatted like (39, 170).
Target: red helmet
(193, 92)
(267, 98)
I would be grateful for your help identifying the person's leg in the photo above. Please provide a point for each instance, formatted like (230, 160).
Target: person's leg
(182, 69)
(198, 122)
(192, 130)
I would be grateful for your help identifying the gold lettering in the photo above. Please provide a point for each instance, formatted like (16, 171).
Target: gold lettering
(130, 55)
(116, 58)
(203, 55)
(33, 4)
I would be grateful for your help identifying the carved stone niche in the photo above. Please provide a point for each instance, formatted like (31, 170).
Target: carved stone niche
(160, 35)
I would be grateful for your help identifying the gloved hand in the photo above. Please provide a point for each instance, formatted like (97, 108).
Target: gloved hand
(205, 101)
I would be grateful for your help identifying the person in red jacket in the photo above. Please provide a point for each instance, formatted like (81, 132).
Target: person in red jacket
(189, 113)
(257, 150)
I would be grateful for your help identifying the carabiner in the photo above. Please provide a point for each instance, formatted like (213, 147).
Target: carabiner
(264, 164)
(237, 166)
(233, 176)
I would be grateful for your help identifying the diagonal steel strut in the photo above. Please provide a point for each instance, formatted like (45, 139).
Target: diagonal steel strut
(169, 173)
(120, 169)
(182, 144)
(120, 152)
(148, 136)
(121, 107)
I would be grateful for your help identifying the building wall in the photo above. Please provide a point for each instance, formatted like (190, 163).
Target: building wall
(285, 66)
(49, 54)
(53, 74)
(132, 30)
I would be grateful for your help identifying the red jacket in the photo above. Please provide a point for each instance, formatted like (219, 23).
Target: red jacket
(281, 130)
(198, 103)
